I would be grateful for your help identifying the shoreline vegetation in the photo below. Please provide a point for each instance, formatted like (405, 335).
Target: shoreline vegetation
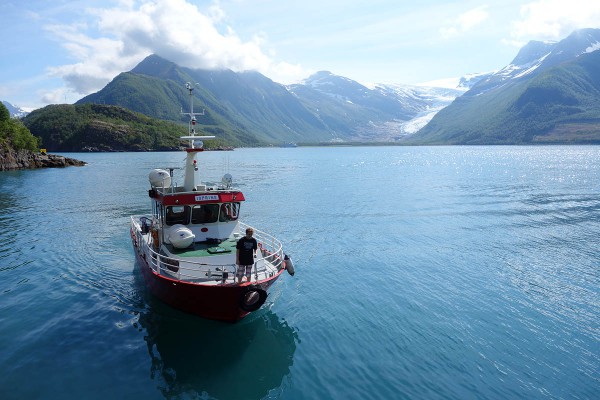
(105, 128)
(19, 149)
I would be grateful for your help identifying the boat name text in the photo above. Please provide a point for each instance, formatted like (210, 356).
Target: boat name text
(208, 197)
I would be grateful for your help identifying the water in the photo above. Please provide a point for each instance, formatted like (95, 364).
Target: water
(422, 273)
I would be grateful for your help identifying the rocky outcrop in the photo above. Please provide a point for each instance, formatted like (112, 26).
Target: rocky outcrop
(25, 159)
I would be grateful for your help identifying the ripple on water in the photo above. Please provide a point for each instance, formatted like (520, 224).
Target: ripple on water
(421, 273)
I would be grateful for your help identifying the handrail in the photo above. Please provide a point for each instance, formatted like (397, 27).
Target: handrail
(271, 252)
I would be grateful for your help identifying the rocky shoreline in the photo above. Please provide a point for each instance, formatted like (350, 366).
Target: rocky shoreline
(24, 159)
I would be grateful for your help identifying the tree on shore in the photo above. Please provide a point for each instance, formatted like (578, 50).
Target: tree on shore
(13, 133)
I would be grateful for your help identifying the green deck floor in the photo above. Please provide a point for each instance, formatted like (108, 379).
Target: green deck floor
(203, 249)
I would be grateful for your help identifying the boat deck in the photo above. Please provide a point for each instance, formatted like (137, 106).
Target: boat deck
(207, 263)
(204, 249)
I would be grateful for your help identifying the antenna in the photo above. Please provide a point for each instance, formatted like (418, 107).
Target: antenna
(192, 114)
(195, 145)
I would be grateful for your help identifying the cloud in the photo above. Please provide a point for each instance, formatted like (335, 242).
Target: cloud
(465, 22)
(56, 96)
(113, 40)
(554, 19)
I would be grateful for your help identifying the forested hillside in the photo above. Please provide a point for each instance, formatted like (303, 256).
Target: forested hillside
(95, 127)
(19, 148)
(14, 134)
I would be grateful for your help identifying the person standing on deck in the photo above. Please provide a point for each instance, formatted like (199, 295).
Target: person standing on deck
(244, 255)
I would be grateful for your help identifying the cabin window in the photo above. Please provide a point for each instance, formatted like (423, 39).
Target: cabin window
(229, 212)
(177, 215)
(205, 213)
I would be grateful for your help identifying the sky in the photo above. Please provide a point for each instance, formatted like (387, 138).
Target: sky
(59, 51)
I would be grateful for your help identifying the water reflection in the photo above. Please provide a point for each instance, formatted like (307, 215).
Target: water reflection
(193, 357)
(10, 201)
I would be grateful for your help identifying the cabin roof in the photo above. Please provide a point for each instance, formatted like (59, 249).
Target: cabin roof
(170, 199)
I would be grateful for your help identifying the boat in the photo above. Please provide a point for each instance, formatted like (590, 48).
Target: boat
(186, 245)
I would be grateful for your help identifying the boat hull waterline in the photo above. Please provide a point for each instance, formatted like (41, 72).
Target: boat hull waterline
(213, 302)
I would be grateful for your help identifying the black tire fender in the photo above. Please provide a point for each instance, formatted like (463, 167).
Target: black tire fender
(252, 298)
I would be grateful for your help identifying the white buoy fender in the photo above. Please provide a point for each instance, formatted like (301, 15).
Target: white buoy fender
(180, 236)
(289, 265)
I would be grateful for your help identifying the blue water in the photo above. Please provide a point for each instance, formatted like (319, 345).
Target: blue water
(422, 273)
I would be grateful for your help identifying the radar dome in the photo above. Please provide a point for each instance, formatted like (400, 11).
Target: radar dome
(159, 178)
(227, 179)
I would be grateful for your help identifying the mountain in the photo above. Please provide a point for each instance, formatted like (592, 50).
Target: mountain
(242, 108)
(466, 82)
(382, 112)
(247, 108)
(14, 111)
(423, 101)
(550, 93)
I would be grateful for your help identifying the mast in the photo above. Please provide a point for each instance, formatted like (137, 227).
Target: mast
(195, 145)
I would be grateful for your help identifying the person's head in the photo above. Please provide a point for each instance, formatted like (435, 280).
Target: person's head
(249, 232)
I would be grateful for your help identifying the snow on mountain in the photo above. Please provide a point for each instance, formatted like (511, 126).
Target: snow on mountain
(518, 71)
(381, 111)
(15, 111)
(593, 47)
(390, 111)
(466, 82)
(425, 101)
(536, 57)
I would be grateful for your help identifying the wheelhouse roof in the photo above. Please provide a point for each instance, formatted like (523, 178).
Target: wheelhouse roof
(189, 198)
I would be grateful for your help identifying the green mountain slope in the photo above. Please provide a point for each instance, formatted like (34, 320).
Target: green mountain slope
(166, 99)
(98, 127)
(241, 108)
(559, 105)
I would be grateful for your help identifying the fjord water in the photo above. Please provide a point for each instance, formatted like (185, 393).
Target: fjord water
(422, 273)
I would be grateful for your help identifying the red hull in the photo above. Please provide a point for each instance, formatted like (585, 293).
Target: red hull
(221, 302)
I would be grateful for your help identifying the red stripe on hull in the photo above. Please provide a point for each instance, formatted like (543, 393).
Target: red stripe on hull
(221, 302)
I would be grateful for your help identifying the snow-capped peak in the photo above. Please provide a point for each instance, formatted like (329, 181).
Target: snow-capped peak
(15, 111)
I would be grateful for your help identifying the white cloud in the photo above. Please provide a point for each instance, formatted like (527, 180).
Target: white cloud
(174, 29)
(56, 96)
(554, 19)
(465, 22)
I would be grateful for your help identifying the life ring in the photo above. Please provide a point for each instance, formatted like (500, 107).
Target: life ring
(252, 298)
(229, 210)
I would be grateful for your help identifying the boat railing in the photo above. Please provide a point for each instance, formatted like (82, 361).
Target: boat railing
(268, 262)
(270, 250)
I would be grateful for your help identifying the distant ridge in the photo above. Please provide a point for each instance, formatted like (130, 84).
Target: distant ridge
(547, 94)
(248, 109)
(550, 93)
(244, 109)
